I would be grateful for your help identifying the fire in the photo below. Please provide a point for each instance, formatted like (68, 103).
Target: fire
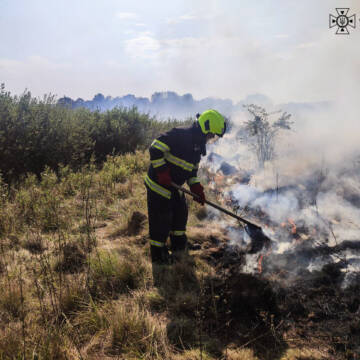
(219, 180)
(260, 260)
(260, 263)
(291, 222)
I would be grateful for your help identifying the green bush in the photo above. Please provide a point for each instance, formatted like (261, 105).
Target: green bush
(114, 171)
(39, 134)
(40, 206)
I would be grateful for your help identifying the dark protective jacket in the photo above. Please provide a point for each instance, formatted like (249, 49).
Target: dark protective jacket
(180, 149)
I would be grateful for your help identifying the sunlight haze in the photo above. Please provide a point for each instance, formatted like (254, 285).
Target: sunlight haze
(226, 49)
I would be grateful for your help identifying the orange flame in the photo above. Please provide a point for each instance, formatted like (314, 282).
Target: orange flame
(219, 179)
(260, 263)
(292, 223)
(260, 260)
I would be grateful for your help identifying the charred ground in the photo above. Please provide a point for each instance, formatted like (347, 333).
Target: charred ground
(268, 314)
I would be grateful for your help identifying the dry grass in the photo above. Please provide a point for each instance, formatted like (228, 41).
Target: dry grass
(240, 354)
(11, 341)
(74, 289)
(193, 354)
(112, 274)
(10, 301)
(135, 332)
(304, 353)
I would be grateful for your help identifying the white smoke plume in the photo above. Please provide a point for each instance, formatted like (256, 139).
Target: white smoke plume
(313, 182)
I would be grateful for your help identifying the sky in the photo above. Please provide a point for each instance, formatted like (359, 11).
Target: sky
(283, 49)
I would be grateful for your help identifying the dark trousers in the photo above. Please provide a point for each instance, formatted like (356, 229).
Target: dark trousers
(166, 217)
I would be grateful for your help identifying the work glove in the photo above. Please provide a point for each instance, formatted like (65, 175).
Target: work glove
(198, 190)
(164, 177)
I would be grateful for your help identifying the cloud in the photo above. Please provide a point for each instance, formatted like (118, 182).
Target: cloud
(208, 16)
(37, 73)
(306, 45)
(12, 66)
(281, 36)
(126, 15)
(180, 19)
(188, 17)
(287, 52)
(142, 46)
(83, 79)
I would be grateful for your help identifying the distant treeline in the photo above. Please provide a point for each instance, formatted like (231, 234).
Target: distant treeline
(162, 104)
(169, 104)
(35, 133)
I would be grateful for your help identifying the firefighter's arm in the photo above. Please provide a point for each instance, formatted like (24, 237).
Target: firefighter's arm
(196, 187)
(158, 148)
(193, 179)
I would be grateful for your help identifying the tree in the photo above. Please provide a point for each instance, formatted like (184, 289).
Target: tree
(260, 135)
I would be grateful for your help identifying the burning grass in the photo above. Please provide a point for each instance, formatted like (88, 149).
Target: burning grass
(308, 263)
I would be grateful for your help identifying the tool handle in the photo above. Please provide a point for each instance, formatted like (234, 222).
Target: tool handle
(215, 206)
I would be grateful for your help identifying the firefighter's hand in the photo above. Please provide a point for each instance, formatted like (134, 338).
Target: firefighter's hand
(198, 190)
(164, 177)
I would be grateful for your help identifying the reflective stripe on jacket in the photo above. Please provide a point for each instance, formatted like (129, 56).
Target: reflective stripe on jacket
(180, 149)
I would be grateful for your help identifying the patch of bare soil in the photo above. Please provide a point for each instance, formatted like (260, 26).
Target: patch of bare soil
(72, 258)
(267, 314)
(319, 310)
(135, 224)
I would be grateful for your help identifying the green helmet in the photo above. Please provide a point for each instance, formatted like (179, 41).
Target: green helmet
(211, 121)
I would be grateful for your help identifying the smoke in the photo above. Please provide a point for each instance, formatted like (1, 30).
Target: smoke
(314, 182)
(278, 207)
(326, 136)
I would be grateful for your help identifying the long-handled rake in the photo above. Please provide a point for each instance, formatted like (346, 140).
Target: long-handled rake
(255, 231)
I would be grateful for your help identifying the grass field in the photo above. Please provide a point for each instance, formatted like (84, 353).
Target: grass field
(76, 277)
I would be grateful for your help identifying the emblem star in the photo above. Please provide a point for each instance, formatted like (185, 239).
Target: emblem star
(342, 21)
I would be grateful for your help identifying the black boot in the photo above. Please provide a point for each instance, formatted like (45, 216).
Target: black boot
(160, 259)
(160, 255)
(178, 246)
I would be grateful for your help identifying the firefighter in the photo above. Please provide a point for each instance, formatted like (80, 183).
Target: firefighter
(175, 157)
